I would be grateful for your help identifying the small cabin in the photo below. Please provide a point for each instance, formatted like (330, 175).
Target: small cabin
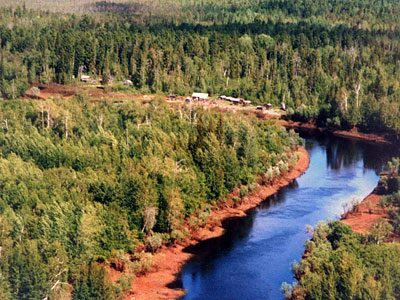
(172, 97)
(200, 96)
(246, 103)
(268, 106)
(235, 101)
(128, 82)
(188, 99)
(86, 78)
(259, 107)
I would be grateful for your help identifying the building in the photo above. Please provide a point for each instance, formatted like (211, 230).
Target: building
(200, 97)
(86, 78)
(246, 102)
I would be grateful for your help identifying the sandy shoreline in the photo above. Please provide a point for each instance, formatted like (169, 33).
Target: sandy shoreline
(161, 282)
(365, 215)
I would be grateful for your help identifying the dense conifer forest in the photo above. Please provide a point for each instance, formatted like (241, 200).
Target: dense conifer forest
(83, 182)
(332, 61)
(340, 264)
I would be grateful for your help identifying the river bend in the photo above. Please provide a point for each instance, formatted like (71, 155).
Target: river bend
(253, 258)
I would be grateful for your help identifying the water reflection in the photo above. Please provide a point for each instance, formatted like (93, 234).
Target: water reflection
(253, 258)
(345, 152)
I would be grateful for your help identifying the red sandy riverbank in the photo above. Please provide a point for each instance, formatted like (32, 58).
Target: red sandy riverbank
(366, 214)
(158, 284)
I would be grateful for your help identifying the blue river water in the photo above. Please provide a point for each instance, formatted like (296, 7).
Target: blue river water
(254, 257)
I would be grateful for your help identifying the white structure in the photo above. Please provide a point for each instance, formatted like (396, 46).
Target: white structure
(86, 78)
(200, 96)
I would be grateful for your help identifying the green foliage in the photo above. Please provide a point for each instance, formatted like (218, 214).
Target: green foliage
(244, 191)
(390, 183)
(93, 285)
(124, 174)
(13, 76)
(335, 62)
(237, 200)
(341, 265)
(154, 242)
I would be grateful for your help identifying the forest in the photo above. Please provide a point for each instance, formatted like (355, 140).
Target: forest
(334, 62)
(82, 183)
(339, 264)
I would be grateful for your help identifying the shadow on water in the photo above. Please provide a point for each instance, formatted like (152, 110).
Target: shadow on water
(236, 229)
(341, 152)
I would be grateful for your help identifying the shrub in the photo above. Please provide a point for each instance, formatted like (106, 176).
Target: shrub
(283, 167)
(244, 191)
(269, 175)
(92, 284)
(141, 263)
(293, 159)
(123, 284)
(275, 171)
(252, 186)
(284, 157)
(35, 91)
(81, 96)
(178, 235)
(203, 216)
(237, 200)
(194, 223)
(336, 122)
(154, 242)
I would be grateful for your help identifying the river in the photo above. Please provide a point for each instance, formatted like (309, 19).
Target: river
(254, 257)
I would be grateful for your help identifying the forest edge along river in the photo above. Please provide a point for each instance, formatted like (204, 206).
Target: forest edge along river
(340, 170)
(163, 282)
(254, 259)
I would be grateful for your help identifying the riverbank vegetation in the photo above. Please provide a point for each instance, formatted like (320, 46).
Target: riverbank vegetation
(339, 264)
(85, 182)
(335, 62)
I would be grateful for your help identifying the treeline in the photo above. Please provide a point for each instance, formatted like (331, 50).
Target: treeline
(391, 199)
(223, 12)
(337, 72)
(84, 182)
(339, 264)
